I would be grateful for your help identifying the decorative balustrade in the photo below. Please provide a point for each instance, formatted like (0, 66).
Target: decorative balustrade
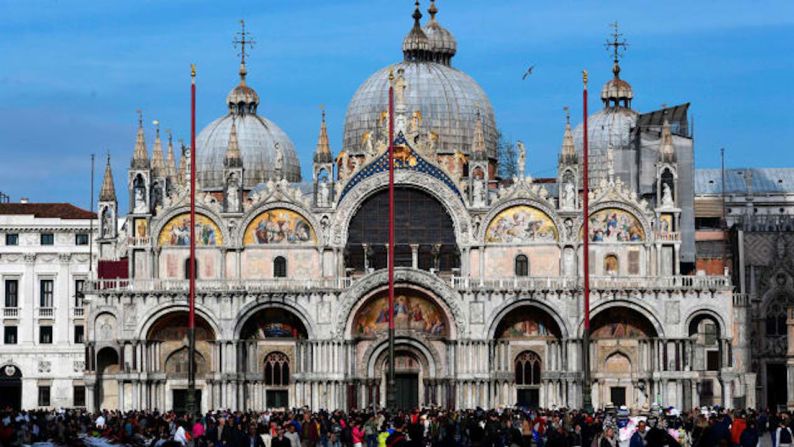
(78, 312)
(10, 312)
(668, 236)
(216, 285)
(46, 312)
(596, 282)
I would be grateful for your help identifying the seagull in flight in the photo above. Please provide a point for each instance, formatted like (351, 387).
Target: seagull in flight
(528, 72)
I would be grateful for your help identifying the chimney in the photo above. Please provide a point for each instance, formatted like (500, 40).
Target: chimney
(23, 200)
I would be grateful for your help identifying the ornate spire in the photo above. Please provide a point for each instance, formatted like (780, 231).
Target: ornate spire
(233, 158)
(182, 176)
(158, 162)
(432, 10)
(170, 164)
(140, 156)
(243, 99)
(666, 148)
(322, 153)
(478, 144)
(108, 192)
(568, 152)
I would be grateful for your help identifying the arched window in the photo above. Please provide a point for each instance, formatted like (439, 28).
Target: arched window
(528, 368)
(276, 369)
(187, 268)
(522, 265)
(280, 267)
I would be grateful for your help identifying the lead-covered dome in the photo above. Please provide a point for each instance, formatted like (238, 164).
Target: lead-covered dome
(259, 141)
(448, 99)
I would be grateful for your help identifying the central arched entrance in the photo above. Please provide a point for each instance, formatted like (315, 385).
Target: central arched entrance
(10, 387)
(422, 330)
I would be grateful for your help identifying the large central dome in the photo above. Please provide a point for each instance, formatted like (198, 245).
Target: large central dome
(449, 100)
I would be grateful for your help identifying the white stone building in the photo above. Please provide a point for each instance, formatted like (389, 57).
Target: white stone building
(44, 265)
(292, 279)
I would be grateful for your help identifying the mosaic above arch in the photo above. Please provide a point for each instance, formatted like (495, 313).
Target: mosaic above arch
(621, 323)
(176, 232)
(520, 224)
(273, 323)
(412, 312)
(615, 225)
(527, 322)
(279, 226)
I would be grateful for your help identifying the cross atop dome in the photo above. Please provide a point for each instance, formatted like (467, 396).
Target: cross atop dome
(242, 39)
(616, 92)
(618, 45)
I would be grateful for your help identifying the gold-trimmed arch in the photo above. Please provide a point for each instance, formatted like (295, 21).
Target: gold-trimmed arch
(176, 232)
(520, 224)
(612, 224)
(279, 226)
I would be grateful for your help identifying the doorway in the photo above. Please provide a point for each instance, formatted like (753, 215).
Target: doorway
(529, 398)
(277, 399)
(10, 388)
(180, 401)
(776, 386)
(617, 395)
(406, 390)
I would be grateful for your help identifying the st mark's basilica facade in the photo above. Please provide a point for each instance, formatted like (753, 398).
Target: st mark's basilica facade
(291, 302)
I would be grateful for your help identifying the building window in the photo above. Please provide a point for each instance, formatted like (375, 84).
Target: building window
(12, 239)
(46, 293)
(280, 267)
(522, 265)
(12, 293)
(10, 335)
(276, 369)
(528, 368)
(187, 268)
(712, 360)
(47, 239)
(79, 287)
(78, 396)
(634, 262)
(79, 333)
(81, 239)
(710, 331)
(44, 396)
(45, 335)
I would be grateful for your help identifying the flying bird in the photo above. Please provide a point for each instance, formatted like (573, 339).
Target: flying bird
(528, 72)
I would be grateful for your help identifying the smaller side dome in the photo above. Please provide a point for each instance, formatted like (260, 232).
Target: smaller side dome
(443, 45)
(416, 45)
(617, 92)
(242, 99)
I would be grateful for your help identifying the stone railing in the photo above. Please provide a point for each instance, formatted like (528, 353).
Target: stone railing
(596, 282)
(78, 312)
(215, 285)
(10, 312)
(46, 312)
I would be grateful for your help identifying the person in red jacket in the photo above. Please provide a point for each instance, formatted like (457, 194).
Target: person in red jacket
(737, 427)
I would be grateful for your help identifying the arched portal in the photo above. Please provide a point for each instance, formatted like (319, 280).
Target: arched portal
(10, 387)
(412, 377)
(107, 365)
(424, 233)
(167, 341)
(623, 348)
(272, 337)
(535, 335)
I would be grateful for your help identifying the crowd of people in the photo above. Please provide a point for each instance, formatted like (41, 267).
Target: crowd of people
(419, 428)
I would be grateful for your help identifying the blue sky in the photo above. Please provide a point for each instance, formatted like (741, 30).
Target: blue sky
(73, 73)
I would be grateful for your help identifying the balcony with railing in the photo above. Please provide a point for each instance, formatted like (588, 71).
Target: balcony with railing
(680, 282)
(216, 285)
(46, 312)
(10, 312)
(78, 312)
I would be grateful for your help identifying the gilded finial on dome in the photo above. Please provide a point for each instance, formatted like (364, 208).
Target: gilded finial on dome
(432, 10)
(616, 92)
(617, 46)
(416, 46)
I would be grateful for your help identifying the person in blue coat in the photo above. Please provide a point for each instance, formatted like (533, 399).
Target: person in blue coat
(638, 438)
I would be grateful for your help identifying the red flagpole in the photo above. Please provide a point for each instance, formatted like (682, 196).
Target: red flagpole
(391, 391)
(190, 404)
(586, 391)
